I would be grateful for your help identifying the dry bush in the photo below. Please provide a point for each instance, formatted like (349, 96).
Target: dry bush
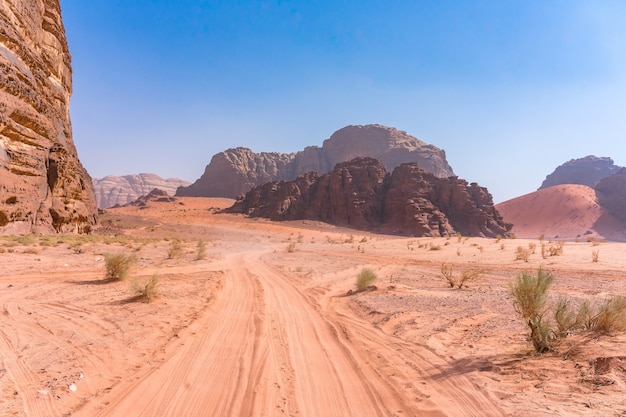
(117, 265)
(365, 278)
(446, 271)
(201, 254)
(466, 276)
(531, 247)
(610, 316)
(291, 247)
(175, 250)
(556, 249)
(522, 254)
(435, 247)
(147, 291)
(530, 294)
(566, 317)
(595, 255)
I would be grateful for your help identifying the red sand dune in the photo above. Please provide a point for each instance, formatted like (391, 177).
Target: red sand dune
(563, 211)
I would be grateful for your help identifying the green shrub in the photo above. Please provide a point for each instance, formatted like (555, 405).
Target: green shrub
(117, 265)
(365, 278)
(530, 295)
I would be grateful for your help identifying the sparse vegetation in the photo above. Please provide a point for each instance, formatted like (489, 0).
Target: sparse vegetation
(530, 295)
(175, 250)
(201, 254)
(556, 249)
(466, 275)
(291, 247)
(610, 316)
(595, 255)
(365, 279)
(147, 291)
(117, 265)
(522, 254)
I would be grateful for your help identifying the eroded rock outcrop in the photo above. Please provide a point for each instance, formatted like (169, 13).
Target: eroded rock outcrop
(43, 185)
(588, 171)
(113, 190)
(236, 171)
(362, 194)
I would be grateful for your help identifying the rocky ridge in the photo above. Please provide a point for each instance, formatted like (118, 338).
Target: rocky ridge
(113, 190)
(43, 186)
(235, 171)
(362, 194)
(589, 171)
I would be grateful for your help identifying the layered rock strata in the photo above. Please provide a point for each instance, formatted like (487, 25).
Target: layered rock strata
(236, 171)
(43, 185)
(113, 190)
(362, 194)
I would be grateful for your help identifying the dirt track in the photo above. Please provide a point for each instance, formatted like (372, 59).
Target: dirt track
(258, 330)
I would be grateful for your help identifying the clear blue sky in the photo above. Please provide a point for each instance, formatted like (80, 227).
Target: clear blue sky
(509, 89)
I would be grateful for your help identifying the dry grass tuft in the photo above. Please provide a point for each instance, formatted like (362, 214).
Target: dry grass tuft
(117, 265)
(147, 291)
(365, 279)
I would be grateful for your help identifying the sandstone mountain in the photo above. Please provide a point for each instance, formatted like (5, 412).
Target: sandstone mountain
(362, 194)
(589, 171)
(43, 186)
(611, 193)
(112, 190)
(235, 171)
(565, 211)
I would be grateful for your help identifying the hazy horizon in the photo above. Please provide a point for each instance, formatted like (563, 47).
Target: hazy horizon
(509, 90)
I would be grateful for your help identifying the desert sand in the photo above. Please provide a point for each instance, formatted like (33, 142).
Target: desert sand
(263, 325)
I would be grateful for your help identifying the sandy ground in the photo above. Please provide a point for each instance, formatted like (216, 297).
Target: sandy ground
(262, 326)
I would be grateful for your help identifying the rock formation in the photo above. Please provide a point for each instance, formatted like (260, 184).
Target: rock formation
(43, 186)
(611, 194)
(112, 190)
(236, 171)
(154, 196)
(589, 171)
(362, 194)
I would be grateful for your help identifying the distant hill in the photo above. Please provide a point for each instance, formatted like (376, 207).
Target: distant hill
(565, 211)
(589, 171)
(112, 190)
(235, 171)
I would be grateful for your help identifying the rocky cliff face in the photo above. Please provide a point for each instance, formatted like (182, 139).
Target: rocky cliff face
(361, 194)
(588, 171)
(611, 194)
(236, 171)
(43, 186)
(112, 190)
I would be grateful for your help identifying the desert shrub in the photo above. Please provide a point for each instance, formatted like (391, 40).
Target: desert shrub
(556, 249)
(201, 250)
(291, 247)
(522, 254)
(117, 265)
(365, 278)
(26, 240)
(466, 275)
(610, 316)
(530, 294)
(531, 247)
(595, 255)
(435, 247)
(175, 250)
(148, 290)
(566, 317)
(31, 251)
(446, 271)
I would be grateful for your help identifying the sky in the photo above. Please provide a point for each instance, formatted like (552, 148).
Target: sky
(509, 89)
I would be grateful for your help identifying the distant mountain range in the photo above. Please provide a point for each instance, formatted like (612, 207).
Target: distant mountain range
(112, 190)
